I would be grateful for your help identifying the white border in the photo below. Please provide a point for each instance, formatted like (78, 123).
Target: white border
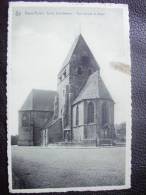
(128, 133)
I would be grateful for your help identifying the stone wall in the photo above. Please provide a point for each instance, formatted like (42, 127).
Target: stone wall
(84, 130)
(109, 125)
(78, 134)
(25, 137)
(110, 110)
(63, 81)
(54, 132)
(30, 124)
(78, 129)
(91, 131)
(96, 110)
(39, 118)
(81, 114)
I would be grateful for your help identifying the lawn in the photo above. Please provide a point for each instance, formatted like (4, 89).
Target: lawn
(38, 167)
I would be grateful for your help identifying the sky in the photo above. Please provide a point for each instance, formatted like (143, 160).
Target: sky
(40, 38)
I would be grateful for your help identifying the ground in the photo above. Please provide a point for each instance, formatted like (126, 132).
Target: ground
(44, 167)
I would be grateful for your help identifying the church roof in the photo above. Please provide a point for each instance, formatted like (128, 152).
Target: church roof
(79, 43)
(70, 53)
(94, 88)
(39, 100)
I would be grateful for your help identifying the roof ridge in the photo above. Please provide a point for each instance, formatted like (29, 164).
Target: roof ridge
(40, 100)
(43, 90)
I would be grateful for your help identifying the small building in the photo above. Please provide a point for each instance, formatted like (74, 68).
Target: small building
(37, 110)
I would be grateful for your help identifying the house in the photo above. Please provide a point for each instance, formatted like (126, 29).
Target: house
(37, 110)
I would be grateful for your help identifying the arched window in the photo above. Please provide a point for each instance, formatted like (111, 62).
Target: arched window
(79, 70)
(90, 114)
(104, 114)
(25, 120)
(85, 60)
(77, 115)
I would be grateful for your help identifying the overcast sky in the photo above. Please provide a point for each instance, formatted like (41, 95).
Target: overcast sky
(41, 39)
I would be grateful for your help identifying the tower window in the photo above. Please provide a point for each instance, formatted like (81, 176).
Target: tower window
(90, 116)
(85, 60)
(79, 70)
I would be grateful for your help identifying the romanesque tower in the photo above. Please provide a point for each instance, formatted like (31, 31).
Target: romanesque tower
(77, 67)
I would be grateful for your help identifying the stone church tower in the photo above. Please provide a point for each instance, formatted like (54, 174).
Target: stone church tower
(77, 67)
(80, 111)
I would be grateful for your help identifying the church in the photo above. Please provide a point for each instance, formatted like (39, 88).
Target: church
(81, 111)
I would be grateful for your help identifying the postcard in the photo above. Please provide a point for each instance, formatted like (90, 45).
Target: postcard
(69, 97)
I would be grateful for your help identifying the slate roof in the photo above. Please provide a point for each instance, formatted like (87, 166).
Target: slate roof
(78, 41)
(94, 88)
(39, 100)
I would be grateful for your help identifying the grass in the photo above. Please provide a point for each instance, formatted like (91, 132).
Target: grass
(38, 167)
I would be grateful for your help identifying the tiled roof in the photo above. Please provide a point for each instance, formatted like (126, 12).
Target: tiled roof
(94, 88)
(39, 100)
